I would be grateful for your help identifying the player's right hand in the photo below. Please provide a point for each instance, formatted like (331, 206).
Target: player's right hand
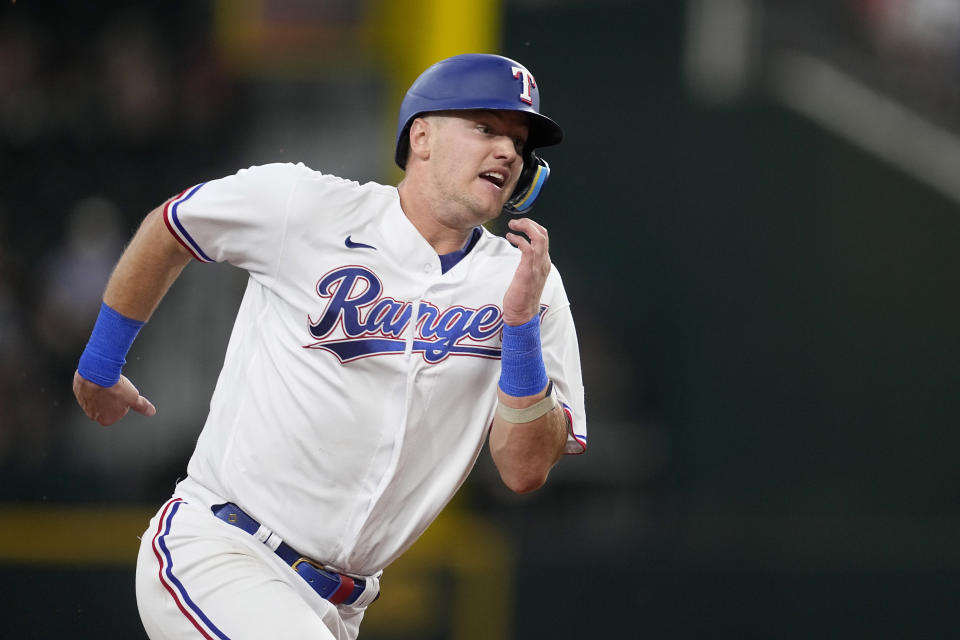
(521, 302)
(106, 405)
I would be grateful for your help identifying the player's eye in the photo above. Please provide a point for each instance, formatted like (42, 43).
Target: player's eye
(482, 128)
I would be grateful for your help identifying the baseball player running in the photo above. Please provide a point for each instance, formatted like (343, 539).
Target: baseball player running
(384, 334)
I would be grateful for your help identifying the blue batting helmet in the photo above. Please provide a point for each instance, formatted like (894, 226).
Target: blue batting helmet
(484, 81)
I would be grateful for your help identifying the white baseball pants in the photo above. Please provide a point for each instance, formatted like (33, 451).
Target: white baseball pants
(198, 577)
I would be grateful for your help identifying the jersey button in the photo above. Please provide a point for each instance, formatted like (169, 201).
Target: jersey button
(427, 268)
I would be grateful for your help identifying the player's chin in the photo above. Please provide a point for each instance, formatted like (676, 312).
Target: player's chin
(488, 206)
(493, 211)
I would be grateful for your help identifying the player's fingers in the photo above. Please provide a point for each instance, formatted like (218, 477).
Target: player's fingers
(530, 254)
(536, 234)
(537, 250)
(519, 224)
(515, 238)
(109, 412)
(108, 419)
(527, 226)
(518, 241)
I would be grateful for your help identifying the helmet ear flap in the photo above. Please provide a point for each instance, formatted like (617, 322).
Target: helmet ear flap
(534, 175)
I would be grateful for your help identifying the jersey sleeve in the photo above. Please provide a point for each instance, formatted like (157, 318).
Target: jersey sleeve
(561, 356)
(240, 219)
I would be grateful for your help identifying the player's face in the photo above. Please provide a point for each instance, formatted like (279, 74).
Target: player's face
(477, 157)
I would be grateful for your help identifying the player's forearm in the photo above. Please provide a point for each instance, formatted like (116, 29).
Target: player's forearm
(524, 453)
(149, 265)
(147, 268)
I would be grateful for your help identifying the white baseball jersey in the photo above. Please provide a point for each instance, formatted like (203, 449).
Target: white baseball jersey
(359, 382)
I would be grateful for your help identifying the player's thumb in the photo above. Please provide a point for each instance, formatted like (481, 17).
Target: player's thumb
(143, 406)
(133, 399)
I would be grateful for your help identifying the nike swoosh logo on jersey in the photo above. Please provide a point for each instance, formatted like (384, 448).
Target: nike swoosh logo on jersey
(357, 245)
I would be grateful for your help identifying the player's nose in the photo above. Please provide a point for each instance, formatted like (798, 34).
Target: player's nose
(505, 148)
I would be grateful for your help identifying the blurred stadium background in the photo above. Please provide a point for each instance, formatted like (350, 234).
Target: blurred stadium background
(756, 213)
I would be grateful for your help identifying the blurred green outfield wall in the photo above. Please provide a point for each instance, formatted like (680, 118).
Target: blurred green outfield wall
(788, 309)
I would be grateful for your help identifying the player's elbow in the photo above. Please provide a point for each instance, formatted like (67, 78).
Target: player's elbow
(523, 480)
(522, 456)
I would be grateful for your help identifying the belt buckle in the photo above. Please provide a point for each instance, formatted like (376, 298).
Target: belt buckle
(315, 565)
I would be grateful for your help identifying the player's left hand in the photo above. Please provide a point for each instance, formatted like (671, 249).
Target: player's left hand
(521, 302)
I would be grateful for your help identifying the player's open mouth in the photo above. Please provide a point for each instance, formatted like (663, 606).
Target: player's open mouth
(494, 177)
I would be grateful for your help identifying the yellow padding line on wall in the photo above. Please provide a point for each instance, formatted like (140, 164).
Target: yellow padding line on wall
(71, 535)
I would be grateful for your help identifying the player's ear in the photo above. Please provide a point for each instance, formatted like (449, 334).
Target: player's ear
(421, 136)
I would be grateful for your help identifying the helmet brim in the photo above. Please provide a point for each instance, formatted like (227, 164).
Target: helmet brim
(544, 132)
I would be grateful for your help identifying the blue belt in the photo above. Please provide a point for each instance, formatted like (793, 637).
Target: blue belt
(335, 587)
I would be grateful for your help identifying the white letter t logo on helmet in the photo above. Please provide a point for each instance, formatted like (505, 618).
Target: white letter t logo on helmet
(528, 83)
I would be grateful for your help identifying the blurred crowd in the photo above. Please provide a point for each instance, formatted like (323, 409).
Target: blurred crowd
(103, 75)
(908, 50)
(94, 104)
(926, 31)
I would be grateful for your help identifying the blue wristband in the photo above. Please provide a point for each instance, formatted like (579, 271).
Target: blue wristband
(522, 372)
(106, 351)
